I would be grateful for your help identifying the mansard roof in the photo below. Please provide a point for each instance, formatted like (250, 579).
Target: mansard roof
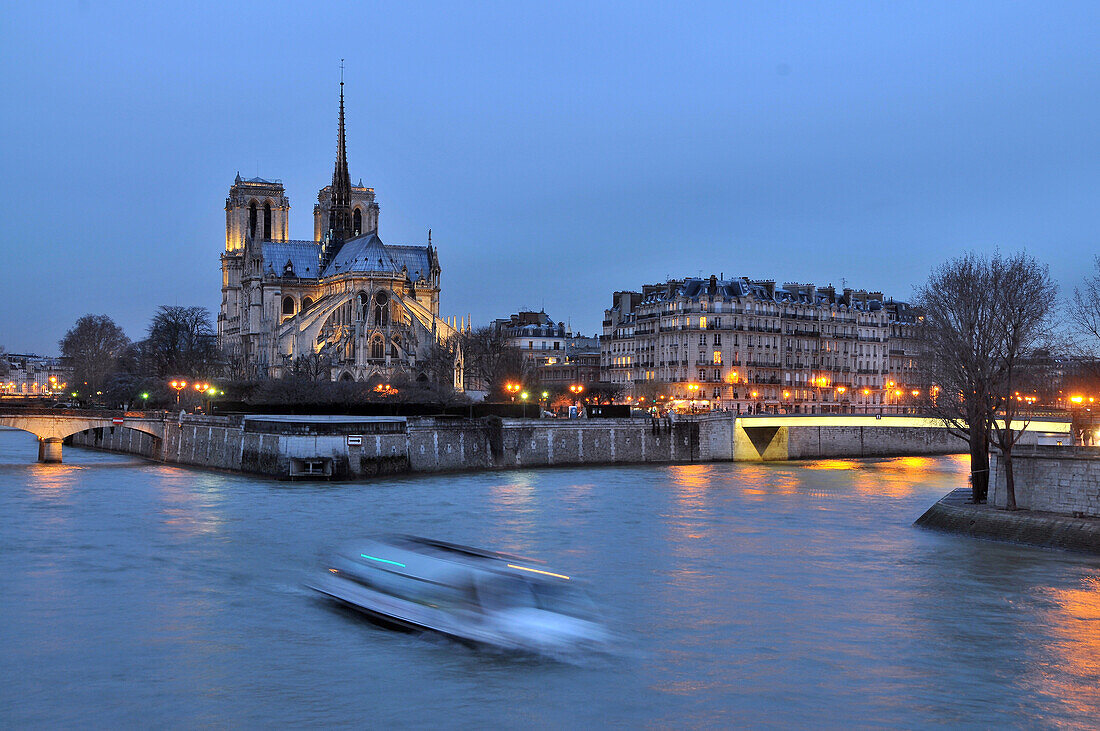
(694, 288)
(304, 258)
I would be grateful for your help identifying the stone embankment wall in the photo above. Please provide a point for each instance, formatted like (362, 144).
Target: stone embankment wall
(954, 513)
(288, 448)
(1063, 480)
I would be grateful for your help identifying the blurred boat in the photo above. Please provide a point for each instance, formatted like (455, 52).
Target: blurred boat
(466, 593)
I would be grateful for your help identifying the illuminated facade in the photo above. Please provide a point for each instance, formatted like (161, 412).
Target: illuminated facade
(751, 346)
(372, 309)
(35, 375)
(534, 333)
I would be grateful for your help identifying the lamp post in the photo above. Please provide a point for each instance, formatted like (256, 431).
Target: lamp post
(512, 389)
(179, 386)
(576, 389)
(694, 388)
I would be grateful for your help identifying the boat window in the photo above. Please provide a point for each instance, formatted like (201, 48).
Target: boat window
(505, 593)
(563, 599)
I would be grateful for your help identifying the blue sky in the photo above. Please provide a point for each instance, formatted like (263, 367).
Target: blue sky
(558, 151)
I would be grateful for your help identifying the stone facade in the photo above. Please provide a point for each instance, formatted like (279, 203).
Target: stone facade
(366, 310)
(534, 334)
(753, 347)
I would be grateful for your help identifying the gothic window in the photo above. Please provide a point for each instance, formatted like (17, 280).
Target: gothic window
(252, 219)
(306, 302)
(377, 348)
(267, 220)
(381, 309)
(357, 222)
(364, 300)
(288, 305)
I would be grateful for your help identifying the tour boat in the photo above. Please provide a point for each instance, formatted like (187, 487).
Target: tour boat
(466, 593)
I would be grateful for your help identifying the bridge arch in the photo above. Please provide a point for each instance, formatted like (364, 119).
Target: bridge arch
(52, 429)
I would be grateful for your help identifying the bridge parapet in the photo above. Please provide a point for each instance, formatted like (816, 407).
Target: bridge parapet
(52, 426)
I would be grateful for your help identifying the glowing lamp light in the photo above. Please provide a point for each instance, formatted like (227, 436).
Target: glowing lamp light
(382, 560)
(538, 571)
(1077, 399)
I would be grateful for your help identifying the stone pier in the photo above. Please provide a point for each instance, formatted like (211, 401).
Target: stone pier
(49, 450)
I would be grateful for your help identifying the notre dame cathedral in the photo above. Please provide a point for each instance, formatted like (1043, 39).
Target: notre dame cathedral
(370, 309)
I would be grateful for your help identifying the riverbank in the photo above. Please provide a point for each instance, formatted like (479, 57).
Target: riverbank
(353, 447)
(954, 513)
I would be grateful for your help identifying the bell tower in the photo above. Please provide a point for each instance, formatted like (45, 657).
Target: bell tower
(257, 209)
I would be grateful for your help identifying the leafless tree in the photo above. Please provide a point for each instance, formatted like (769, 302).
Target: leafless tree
(4, 366)
(441, 362)
(235, 365)
(1024, 296)
(1084, 308)
(959, 343)
(491, 361)
(312, 367)
(92, 347)
(983, 320)
(181, 341)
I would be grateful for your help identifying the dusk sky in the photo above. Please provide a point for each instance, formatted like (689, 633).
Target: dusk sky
(558, 151)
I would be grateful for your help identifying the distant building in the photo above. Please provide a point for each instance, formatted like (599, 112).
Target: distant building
(580, 363)
(752, 346)
(534, 333)
(35, 375)
(370, 309)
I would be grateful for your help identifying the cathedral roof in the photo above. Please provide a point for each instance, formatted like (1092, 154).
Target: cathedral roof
(302, 255)
(367, 253)
(414, 258)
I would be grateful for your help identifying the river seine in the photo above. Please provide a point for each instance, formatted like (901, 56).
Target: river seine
(793, 594)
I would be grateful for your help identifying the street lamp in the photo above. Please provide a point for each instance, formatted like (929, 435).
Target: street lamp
(694, 388)
(179, 386)
(144, 400)
(512, 389)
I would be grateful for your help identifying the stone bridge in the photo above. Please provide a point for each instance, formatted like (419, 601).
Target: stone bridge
(53, 426)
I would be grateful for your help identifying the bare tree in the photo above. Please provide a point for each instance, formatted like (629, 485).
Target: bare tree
(181, 341)
(234, 363)
(5, 368)
(442, 360)
(1084, 310)
(312, 367)
(1024, 296)
(92, 347)
(960, 345)
(491, 361)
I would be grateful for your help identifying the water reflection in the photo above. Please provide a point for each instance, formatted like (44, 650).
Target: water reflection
(189, 501)
(772, 594)
(1072, 675)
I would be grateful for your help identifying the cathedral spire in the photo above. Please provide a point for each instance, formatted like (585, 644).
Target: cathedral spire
(340, 197)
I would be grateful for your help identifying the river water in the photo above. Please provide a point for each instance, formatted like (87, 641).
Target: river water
(787, 594)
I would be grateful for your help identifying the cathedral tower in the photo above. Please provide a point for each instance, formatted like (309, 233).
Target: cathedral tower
(255, 208)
